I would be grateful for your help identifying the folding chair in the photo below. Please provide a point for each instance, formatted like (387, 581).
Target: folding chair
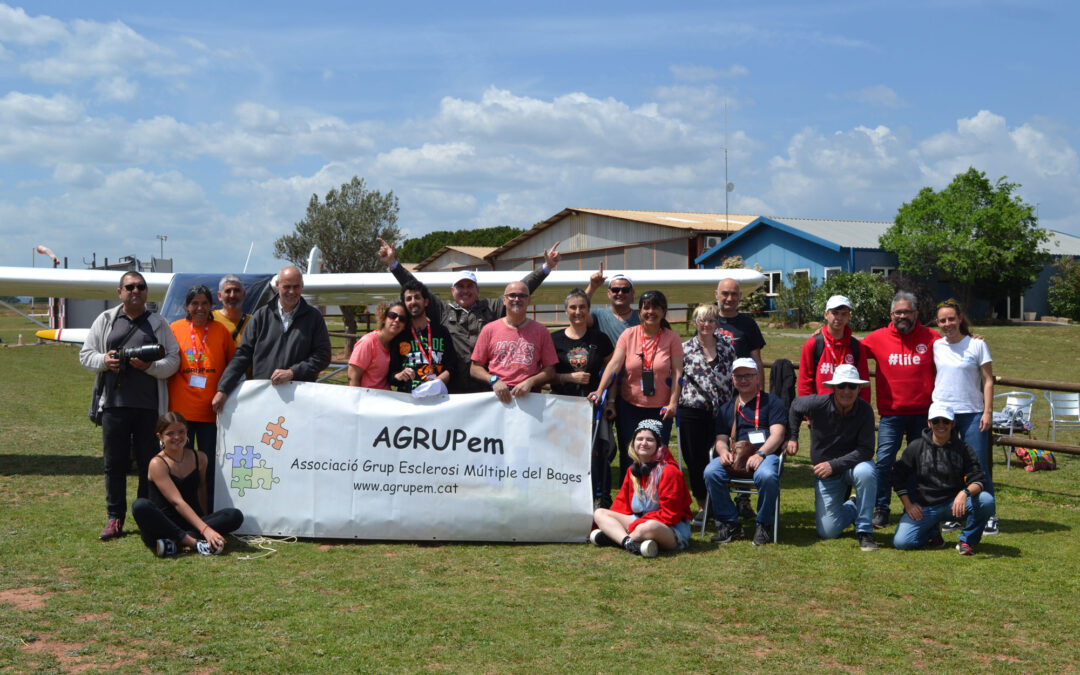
(745, 486)
(1064, 410)
(1014, 417)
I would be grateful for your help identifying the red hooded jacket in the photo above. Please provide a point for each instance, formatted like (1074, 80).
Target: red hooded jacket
(672, 494)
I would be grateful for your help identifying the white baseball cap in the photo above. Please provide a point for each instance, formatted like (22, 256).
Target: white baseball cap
(837, 301)
(846, 374)
(743, 363)
(464, 275)
(940, 410)
(618, 277)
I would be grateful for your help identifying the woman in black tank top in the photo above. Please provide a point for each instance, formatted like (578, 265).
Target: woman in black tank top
(175, 514)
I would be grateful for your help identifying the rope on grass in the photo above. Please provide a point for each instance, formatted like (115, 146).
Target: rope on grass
(263, 543)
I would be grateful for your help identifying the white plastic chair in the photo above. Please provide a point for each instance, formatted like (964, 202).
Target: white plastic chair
(1014, 417)
(1064, 410)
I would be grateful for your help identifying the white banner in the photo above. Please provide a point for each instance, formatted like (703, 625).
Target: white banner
(319, 460)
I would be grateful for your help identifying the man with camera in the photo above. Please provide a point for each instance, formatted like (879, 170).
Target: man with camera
(134, 352)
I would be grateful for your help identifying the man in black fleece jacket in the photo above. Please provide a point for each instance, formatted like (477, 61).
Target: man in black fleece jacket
(939, 478)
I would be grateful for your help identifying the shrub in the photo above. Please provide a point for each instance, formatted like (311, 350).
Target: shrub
(1064, 291)
(870, 295)
(796, 297)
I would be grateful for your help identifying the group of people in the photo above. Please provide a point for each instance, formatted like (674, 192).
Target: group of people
(164, 409)
(934, 389)
(628, 360)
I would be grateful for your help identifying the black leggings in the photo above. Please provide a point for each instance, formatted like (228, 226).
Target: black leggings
(203, 435)
(154, 525)
(697, 435)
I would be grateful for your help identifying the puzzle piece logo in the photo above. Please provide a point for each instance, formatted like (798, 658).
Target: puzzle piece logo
(263, 476)
(243, 456)
(275, 433)
(241, 479)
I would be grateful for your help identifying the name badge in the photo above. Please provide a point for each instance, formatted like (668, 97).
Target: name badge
(756, 437)
(197, 381)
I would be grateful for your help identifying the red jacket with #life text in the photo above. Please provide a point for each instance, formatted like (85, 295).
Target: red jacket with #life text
(672, 494)
(835, 353)
(904, 378)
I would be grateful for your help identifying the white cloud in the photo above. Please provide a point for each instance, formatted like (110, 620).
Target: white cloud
(79, 175)
(94, 50)
(18, 27)
(705, 73)
(32, 109)
(117, 88)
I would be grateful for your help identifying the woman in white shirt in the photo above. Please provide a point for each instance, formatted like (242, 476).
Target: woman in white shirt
(965, 382)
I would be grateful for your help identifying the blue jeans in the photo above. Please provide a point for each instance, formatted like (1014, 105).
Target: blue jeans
(766, 480)
(914, 533)
(891, 432)
(833, 513)
(967, 425)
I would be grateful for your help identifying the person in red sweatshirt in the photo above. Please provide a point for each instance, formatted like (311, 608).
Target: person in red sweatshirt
(833, 346)
(904, 382)
(652, 509)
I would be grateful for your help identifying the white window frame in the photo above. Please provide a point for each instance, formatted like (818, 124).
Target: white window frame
(882, 270)
(829, 271)
(801, 270)
(770, 286)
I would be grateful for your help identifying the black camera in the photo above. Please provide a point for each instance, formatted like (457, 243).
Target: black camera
(147, 353)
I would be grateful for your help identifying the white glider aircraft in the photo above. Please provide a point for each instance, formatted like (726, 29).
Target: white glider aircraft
(169, 289)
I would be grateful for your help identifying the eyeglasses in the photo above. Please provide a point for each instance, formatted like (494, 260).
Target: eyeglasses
(940, 420)
(846, 385)
(516, 296)
(903, 312)
(707, 320)
(745, 376)
(394, 315)
(616, 290)
(133, 287)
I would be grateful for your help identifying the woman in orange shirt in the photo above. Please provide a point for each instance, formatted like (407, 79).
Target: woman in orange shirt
(206, 347)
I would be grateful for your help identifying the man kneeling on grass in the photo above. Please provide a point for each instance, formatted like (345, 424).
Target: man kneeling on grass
(842, 454)
(947, 483)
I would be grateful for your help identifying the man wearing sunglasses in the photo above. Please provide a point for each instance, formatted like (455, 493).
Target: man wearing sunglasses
(514, 355)
(133, 393)
(939, 478)
(841, 455)
(467, 313)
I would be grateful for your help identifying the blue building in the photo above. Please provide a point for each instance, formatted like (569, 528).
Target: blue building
(819, 248)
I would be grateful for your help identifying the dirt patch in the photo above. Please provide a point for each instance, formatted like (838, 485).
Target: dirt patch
(71, 659)
(30, 598)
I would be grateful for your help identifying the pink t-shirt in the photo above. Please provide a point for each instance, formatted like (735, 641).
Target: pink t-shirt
(667, 346)
(370, 354)
(514, 354)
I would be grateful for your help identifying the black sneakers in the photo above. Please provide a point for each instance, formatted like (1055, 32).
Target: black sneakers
(881, 519)
(598, 538)
(726, 532)
(866, 542)
(762, 536)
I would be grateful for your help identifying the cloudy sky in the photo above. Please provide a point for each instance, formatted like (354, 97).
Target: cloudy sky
(214, 123)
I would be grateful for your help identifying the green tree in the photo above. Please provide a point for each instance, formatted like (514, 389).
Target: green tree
(1064, 291)
(978, 235)
(870, 295)
(797, 297)
(418, 248)
(345, 226)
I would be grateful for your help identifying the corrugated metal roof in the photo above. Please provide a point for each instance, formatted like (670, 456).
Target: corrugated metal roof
(480, 252)
(847, 233)
(1063, 244)
(710, 222)
(692, 222)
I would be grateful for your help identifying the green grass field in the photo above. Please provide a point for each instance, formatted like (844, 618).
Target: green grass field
(69, 602)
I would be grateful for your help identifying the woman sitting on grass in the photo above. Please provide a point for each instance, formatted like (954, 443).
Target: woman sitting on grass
(172, 516)
(652, 509)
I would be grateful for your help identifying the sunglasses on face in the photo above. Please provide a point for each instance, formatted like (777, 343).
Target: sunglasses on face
(846, 385)
(394, 315)
(616, 290)
(132, 287)
(516, 296)
(940, 420)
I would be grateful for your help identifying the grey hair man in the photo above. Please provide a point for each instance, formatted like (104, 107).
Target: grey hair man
(231, 293)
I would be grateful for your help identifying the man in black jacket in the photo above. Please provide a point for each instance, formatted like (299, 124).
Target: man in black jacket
(285, 340)
(939, 478)
(842, 454)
